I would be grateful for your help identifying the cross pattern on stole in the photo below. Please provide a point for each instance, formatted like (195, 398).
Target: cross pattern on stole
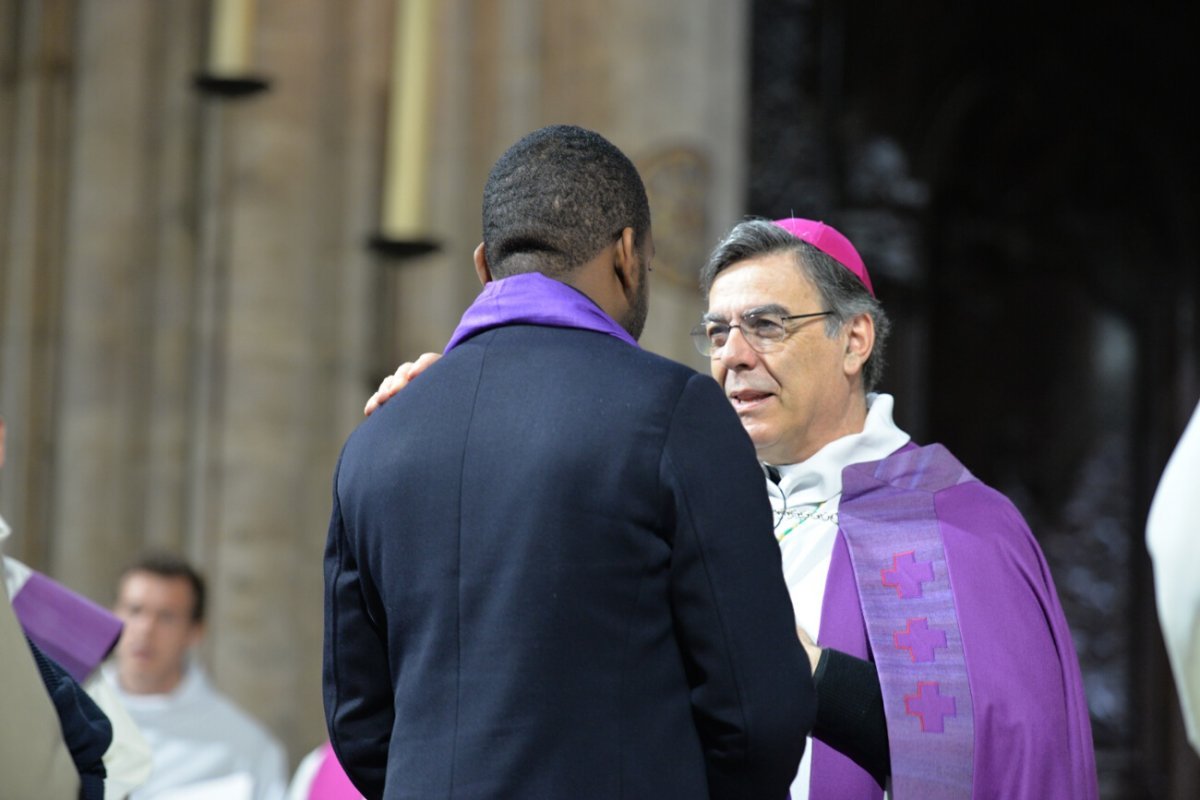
(930, 706)
(919, 640)
(907, 574)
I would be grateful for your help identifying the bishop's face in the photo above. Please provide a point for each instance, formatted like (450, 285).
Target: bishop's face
(795, 397)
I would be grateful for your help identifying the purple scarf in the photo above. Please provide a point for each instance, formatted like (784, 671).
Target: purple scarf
(533, 299)
(68, 627)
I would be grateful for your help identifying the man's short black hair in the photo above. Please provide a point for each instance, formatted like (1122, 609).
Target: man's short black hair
(165, 565)
(556, 198)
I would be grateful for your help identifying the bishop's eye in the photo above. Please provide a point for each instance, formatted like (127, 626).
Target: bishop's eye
(766, 327)
(717, 333)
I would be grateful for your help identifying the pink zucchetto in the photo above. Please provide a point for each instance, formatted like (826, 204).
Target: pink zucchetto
(830, 242)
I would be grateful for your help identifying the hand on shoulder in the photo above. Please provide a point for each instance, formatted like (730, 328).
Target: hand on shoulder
(398, 380)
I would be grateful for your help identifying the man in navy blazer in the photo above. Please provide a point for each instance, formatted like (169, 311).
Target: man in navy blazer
(550, 571)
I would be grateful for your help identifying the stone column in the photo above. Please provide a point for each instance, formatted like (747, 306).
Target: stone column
(297, 289)
(35, 124)
(124, 190)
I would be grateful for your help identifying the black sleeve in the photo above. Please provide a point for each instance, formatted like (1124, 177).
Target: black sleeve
(850, 716)
(86, 729)
(359, 707)
(752, 695)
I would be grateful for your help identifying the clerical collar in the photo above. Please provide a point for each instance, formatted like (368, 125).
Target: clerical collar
(8, 578)
(190, 685)
(533, 299)
(820, 477)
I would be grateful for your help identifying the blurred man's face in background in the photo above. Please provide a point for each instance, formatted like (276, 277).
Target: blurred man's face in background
(159, 630)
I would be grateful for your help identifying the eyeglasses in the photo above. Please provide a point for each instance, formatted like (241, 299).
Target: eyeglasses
(763, 331)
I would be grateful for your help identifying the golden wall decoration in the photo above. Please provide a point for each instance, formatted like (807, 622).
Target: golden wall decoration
(678, 181)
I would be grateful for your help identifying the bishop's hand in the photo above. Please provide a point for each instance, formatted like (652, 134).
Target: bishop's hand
(398, 380)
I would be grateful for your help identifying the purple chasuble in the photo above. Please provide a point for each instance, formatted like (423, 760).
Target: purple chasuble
(936, 578)
(533, 299)
(72, 630)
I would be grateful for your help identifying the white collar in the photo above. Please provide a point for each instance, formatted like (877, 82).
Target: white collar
(13, 573)
(191, 685)
(820, 477)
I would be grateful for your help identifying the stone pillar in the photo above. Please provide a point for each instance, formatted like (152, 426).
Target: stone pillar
(296, 287)
(35, 60)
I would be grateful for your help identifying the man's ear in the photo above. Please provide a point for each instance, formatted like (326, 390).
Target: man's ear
(481, 266)
(860, 341)
(196, 635)
(625, 262)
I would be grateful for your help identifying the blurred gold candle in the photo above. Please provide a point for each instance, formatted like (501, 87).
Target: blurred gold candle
(408, 122)
(230, 35)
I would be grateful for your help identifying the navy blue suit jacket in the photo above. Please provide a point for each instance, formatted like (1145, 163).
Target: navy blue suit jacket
(550, 573)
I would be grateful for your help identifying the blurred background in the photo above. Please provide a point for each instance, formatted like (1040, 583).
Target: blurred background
(223, 221)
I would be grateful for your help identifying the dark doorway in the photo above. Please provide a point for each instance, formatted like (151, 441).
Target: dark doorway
(1023, 181)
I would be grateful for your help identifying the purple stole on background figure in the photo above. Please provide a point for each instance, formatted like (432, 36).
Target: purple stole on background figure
(68, 627)
(899, 559)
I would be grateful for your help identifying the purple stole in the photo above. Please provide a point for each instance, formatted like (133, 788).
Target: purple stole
(899, 560)
(533, 299)
(910, 524)
(66, 626)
